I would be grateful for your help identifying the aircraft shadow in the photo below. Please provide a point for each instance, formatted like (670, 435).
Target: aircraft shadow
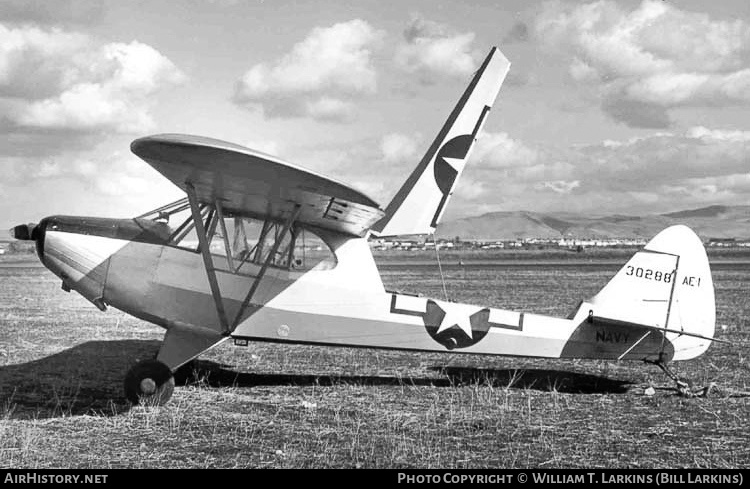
(537, 379)
(217, 375)
(84, 379)
(87, 379)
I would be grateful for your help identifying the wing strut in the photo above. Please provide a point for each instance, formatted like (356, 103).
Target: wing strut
(227, 246)
(269, 258)
(206, 253)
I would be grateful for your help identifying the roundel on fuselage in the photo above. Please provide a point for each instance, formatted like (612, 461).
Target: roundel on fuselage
(454, 331)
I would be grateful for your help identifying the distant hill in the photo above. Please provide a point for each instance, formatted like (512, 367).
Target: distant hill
(716, 221)
(710, 211)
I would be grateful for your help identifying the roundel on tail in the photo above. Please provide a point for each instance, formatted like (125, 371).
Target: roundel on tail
(445, 169)
(445, 173)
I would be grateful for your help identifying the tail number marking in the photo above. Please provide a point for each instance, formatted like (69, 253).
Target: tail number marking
(692, 281)
(649, 274)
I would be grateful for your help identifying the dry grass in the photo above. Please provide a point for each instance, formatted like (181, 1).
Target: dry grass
(62, 363)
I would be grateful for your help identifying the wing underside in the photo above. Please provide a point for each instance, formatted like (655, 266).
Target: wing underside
(248, 183)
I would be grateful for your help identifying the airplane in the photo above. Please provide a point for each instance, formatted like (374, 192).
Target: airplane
(205, 280)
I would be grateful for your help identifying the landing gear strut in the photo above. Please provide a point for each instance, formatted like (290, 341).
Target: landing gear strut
(149, 382)
(685, 387)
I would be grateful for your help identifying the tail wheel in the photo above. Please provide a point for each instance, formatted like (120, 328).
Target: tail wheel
(149, 382)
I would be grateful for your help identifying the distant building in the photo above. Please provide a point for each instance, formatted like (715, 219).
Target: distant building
(602, 242)
(722, 242)
(567, 242)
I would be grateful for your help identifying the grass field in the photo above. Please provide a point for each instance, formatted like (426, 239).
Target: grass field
(62, 363)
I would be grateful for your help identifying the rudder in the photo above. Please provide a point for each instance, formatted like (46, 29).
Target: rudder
(665, 286)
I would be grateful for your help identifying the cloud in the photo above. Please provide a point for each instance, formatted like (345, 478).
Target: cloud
(675, 89)
(376, 166)
(700, 132)
(92, 183)
(400, 148)
(433, 51)
(729, 185)
(650, 59)
(55, 12)
(37, 63)
(53, 169)
(65, 81)
(361, 165)
(125, 177)
(659, 160)
(661, 172)
(499, 150)
(319, 78)
(559, 186)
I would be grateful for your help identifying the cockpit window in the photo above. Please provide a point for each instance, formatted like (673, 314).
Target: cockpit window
(254, 241)
(242, 240)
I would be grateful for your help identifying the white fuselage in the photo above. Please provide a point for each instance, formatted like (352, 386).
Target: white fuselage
(346, 305)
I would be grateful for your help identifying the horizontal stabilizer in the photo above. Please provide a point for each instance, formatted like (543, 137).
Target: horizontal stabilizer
(607, 321)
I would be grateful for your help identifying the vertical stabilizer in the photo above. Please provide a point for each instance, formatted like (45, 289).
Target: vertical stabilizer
(666, 286)
(420, 203)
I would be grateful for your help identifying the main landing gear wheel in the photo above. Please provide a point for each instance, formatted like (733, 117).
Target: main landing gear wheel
(149, 382)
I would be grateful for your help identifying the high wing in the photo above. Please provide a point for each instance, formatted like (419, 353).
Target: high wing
(253, 184)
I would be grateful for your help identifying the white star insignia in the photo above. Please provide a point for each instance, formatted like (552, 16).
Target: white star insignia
(458, 318)
(456, 163)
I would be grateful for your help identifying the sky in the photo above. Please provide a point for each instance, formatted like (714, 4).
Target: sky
(610, 107)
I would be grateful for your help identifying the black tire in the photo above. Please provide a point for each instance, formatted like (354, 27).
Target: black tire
(149, 382)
